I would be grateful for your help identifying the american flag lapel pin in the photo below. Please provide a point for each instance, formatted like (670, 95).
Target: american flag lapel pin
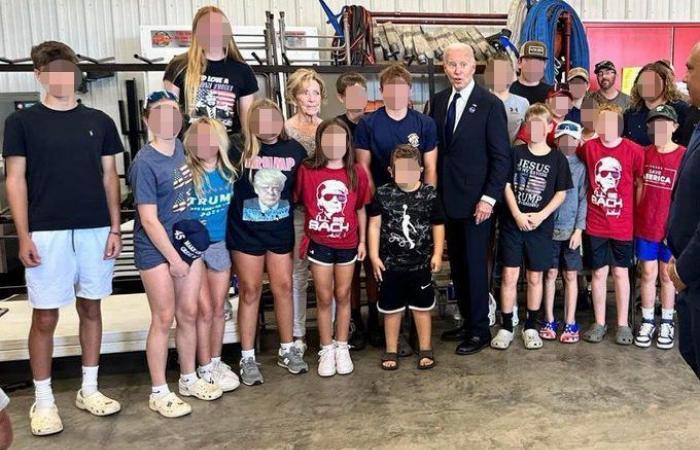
(472, 108)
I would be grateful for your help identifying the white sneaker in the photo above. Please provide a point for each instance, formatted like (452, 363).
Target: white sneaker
(343, 362)
(326, 362)
(223, 376)
(664, 340)
(645, 334)
(300, 345)
(45, 421)
(492, 310)
(516, 321)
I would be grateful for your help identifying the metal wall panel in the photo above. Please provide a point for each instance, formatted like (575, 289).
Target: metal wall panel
(111, 27)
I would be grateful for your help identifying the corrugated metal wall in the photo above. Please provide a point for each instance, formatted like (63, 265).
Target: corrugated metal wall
(102, 28)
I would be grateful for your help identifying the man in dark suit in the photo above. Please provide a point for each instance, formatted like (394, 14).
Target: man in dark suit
(473, 165)
(684, 232)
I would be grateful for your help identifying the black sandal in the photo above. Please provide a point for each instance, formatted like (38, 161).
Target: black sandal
(426, 354)
(390, 357)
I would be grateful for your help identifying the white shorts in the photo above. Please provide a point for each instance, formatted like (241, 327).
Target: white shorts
(72, 264)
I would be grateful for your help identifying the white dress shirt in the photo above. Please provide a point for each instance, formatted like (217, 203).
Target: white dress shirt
(461, 104)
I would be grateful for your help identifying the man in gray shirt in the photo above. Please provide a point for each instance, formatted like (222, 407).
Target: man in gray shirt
(606, 73)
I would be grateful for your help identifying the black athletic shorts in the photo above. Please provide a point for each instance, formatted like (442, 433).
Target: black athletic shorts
(534, 248)
(608, 252)
(399, 290)
(565, 258)
(327, 256)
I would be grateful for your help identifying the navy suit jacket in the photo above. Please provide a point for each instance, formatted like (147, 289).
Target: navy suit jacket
(684, 221)
(478, 159)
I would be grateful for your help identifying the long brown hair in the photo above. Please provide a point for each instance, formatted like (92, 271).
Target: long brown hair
(669, 92)
(251, 148)
(194, 61)
(319, 160)
(223, 164)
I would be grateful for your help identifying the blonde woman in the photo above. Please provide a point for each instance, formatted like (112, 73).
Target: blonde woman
(260, 233)
(306, 91)
(206, 149)
(211, 79)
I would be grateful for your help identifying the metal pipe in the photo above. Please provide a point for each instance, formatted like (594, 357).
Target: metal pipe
(438, 15)
(346, 38)
(485, 22)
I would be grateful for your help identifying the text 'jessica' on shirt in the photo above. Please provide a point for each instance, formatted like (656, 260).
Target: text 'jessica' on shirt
(380, 134)
(535, 180)
(405, 237)
(611, 176)
(221, 86)
(63, 151)
(211, 208)
(331, 204)
(260, 216)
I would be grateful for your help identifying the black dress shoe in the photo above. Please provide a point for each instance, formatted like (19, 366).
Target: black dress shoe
(358, 340)
(454, 335)
(472, 345)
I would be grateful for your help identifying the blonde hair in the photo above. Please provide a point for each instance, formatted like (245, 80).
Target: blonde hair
(223, 164)
(251, 147)
(194, 61)
(296, 82)
(612, 107)
(540, 110)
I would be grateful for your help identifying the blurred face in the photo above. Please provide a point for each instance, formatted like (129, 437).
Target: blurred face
(589, 115)
(606, 78)
(59, 78)
(205, 142)
(609, 126)
(650, 85)
(499, 75)
(568, 144)
(532, 69)
(266, 123)
(660, 131)
(406, 172)
(539, 126)
(213, 31)
(692, 77)
(308, 99)
(165, 120)
(578, 88)
(559, 105)
(334, 143)
(355, 99)
(396, 94)
(460, 67)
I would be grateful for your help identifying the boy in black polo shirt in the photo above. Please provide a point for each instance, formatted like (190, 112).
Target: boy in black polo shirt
(537, 187)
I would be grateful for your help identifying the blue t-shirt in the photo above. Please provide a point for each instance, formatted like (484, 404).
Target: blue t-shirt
(212, 208)
(164, 181)
(380, 134)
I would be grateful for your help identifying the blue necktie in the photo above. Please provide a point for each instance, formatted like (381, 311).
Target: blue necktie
(450, 120)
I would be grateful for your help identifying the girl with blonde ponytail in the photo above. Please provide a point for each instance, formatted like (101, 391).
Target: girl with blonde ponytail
(211, 79)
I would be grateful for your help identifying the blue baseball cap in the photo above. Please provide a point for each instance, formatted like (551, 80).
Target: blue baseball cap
(191, 239)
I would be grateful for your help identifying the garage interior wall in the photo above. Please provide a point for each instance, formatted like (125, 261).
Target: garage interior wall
(101, 28)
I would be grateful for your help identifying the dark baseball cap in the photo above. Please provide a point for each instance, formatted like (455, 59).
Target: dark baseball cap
(663, 111)
(604, 65)
(191, 239)
(534, 49)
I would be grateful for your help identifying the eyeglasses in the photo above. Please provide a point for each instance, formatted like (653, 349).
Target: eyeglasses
(610, 174)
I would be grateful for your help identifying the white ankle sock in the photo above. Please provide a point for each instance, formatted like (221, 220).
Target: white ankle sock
(328, 347)
(89, 386)
(248, 354)
(667, 314)
(188, 379)
(285, 347)
(341, 344)
(205, 371)
(216, 359)
(648, 313)
(160, 391)
(43, 393)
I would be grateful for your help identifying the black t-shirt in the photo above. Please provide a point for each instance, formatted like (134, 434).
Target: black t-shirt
(535, 180)
(63, 151)
(261, 214)
(533, 94)
(406, 238)
(686, 130)
(222, 84)
(351, 125)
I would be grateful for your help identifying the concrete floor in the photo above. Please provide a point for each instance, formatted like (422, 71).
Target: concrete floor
(563, 396)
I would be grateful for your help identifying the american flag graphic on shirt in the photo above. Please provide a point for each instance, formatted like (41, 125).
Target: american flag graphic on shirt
(530, 182)
(182, 178)
(216, 99)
